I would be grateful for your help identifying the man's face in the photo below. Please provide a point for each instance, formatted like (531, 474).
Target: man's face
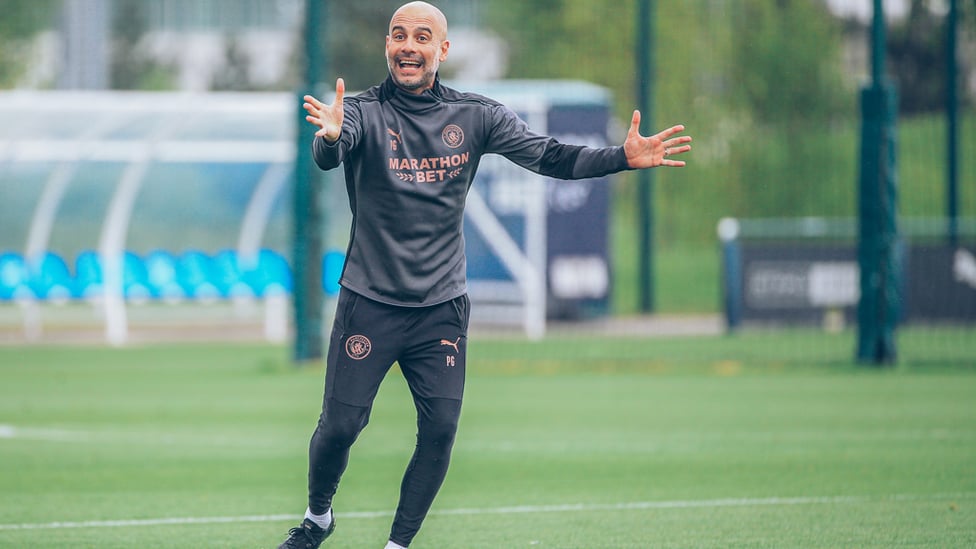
(415, 47)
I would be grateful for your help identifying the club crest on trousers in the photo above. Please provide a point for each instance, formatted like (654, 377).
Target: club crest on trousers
(358, 347)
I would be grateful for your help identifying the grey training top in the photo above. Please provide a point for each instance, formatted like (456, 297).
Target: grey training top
(409, 161)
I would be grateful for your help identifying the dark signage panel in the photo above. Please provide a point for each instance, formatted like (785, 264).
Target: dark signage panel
(941, 284)
(803, 284)
(796, 284)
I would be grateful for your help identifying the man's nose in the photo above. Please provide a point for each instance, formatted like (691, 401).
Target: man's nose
(409, 44)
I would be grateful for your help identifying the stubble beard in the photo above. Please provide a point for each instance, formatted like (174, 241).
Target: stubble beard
(423, 80)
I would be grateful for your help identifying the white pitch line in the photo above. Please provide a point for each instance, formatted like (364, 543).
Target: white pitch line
(144, 522)
(516, 510)
(55, 435)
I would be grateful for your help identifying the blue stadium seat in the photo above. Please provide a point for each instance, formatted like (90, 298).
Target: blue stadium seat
(14, 279)
(162, 277)
(49, 278)
(270, 275)
(88, 276)
(332, 264)
(195, 272)
(89, 279)
(135, 278)
(228, 276)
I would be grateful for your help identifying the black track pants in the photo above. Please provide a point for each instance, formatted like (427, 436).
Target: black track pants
(430, 345)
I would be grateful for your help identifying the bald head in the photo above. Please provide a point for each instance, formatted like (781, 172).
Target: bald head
(416, 46)
(424, 12)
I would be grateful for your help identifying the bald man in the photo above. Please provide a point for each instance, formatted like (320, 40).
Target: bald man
(410, 148)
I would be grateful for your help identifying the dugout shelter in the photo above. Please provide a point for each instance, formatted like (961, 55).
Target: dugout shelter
(133, 202)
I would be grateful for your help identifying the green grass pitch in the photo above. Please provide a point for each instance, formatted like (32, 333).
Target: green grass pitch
(573, 443)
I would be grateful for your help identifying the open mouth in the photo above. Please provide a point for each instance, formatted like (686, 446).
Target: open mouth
(409, 64)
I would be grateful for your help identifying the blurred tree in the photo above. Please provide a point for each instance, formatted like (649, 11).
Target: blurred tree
(758, 83)
(916, 54)
(590, 41)
(356, 41)
(132, 68)
(20, 20)
(787, 82)
(786, 62)
(234, 75)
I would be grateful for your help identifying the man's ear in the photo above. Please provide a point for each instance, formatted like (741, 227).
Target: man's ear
(444, 47)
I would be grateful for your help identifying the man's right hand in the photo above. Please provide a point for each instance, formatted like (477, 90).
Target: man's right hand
(328, 118)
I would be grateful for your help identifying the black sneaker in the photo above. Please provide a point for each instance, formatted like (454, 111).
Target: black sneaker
(307, 535)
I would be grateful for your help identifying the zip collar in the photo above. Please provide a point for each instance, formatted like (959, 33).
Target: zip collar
(412, 101)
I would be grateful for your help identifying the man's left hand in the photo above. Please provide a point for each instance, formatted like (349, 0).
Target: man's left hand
(656, 150)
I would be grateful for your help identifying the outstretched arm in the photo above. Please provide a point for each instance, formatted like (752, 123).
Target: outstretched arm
(656, 150)
(328, 118)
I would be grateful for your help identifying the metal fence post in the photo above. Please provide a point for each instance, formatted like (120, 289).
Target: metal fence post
(644, 39)
(952, 125)
(878, 247)
(307, 212)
